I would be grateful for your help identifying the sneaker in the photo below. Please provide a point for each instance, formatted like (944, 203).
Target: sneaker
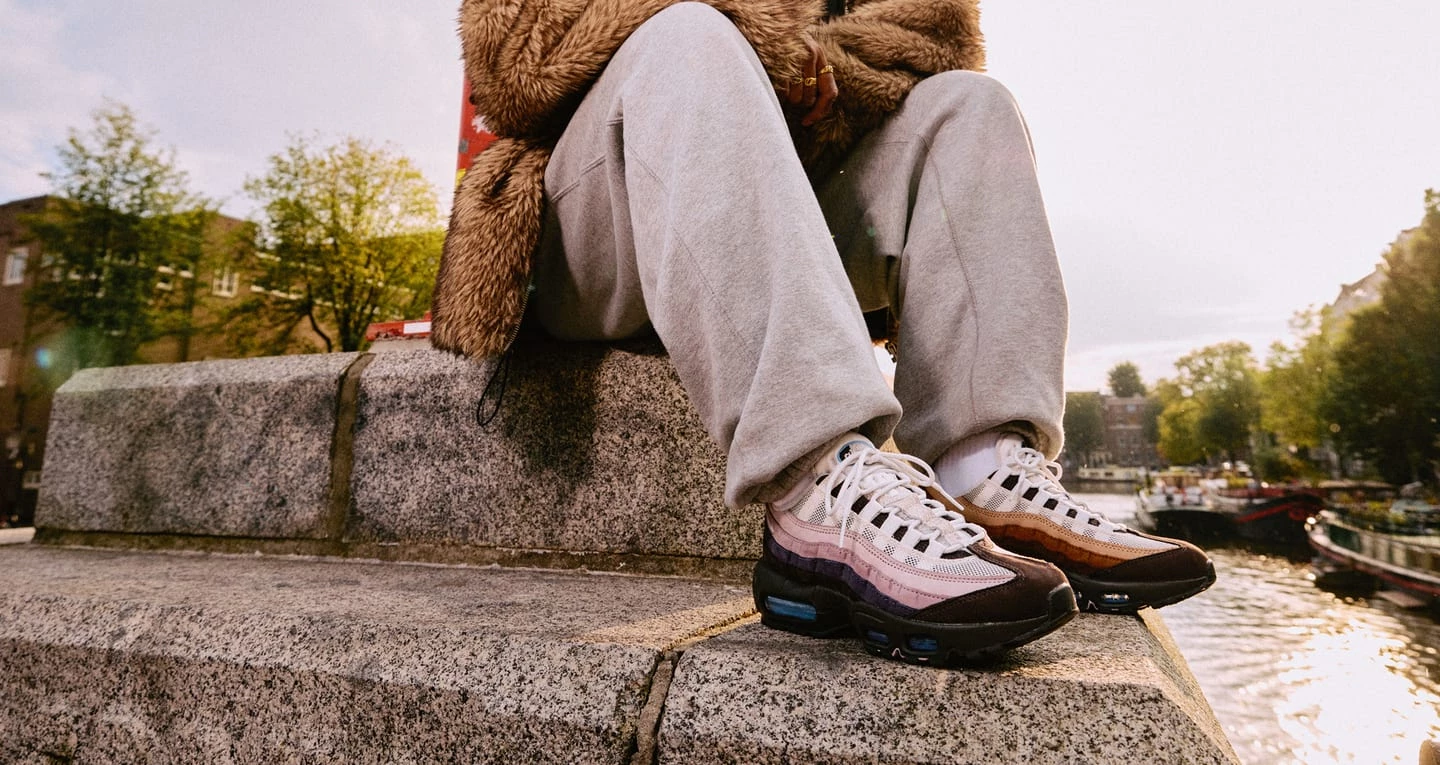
(1114, 569)
(867, 552)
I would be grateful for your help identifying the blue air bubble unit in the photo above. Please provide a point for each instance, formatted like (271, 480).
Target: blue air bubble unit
(921, 644)
(790, 609)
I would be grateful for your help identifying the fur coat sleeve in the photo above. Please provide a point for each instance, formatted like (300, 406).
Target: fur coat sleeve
(530, 62)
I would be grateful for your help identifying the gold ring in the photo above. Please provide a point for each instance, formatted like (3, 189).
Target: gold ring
(810, 82)
(827, 69)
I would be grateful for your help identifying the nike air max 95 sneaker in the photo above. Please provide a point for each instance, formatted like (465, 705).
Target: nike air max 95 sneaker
(1114, 569)
(866, 552)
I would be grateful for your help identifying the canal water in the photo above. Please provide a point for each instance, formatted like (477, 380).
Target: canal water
(1297, 674)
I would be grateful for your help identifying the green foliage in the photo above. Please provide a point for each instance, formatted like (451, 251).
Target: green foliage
(1295, 383)
(351, 234)
(1384, 398)
(1211, 406)
(1125, 380)
(1278, 466)
(1084, 424)
(122, 213)
(1176, 437)
(1150, 419)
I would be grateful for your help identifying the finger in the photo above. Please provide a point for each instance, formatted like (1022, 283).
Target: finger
(795, 93)
(825, 100)
(810, 82)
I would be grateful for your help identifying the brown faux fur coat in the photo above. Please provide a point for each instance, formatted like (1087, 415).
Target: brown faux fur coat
(531, 61)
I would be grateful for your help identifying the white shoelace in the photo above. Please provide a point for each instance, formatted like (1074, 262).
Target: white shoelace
(897, 482)
(1045, 475)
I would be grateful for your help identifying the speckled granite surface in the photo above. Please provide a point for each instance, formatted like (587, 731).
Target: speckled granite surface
(1103, 689)
(158, 658)
(595, 448)
(229, 448)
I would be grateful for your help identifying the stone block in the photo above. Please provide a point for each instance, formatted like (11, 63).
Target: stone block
(595, 448)
(1105, 689)
(228, 448)
(121, 657)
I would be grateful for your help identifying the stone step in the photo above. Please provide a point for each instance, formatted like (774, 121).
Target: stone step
(596, 459)
(117, 656)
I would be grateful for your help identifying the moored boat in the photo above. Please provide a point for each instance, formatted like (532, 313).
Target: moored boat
(1270, 513)
(1176, 505)
(1398, 545)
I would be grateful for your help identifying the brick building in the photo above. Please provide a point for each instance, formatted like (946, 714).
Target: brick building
(1125, 442)
(32, 367)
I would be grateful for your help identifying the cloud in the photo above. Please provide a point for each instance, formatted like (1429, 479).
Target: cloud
(228, 83)
(43, 95)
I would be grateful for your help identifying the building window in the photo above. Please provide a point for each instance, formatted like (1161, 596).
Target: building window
(15, 266)
(225, 283)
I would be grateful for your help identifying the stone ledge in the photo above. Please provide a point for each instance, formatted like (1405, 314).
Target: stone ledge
(596, 452)
(142, 657)
(1102, 689)
(235, 448)
(595, 448)
(131, 657)
(717, 569)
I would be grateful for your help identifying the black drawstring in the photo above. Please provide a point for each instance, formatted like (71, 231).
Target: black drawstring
(502, 372)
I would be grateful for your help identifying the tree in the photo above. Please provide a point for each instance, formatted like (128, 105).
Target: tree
(1223, 378)
(351, 234)
(1384, 399)
(1176, 427)
(1150, 419)
(122, 212)
(1212, 406)
(1294, 384)
(1084, 425)
(1125, 380)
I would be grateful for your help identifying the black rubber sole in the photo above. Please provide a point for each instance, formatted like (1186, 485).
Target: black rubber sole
(821, 611)
(1128, 597)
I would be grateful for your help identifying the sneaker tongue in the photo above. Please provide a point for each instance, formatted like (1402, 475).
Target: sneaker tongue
(838, 450)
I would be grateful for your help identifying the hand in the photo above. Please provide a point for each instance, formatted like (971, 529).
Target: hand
(816, 90)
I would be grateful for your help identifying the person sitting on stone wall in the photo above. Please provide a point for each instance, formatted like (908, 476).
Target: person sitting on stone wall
(746, 177)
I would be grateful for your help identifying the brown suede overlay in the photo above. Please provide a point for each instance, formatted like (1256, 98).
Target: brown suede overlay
(1183, 563)
(1031, 540)
(1027, 596)
(1037, 543)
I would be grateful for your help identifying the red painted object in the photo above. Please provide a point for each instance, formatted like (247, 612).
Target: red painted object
(409, 329)
(474, 138)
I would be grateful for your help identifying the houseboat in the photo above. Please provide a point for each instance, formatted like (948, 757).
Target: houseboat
(1398, 545)
(1177, 505)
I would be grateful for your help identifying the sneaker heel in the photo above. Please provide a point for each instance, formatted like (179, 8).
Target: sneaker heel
(794, 607)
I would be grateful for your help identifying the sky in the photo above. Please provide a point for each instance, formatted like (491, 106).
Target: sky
(1209, 169)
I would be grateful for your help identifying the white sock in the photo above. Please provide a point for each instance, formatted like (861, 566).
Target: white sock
(964, 465)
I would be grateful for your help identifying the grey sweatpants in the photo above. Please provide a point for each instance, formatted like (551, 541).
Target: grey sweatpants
(676, 199)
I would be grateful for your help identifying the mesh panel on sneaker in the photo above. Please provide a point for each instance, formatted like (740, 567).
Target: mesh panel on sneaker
(1027, 483)
(877, 498)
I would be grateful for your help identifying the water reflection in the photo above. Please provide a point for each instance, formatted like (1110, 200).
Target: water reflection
(1300, 675)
